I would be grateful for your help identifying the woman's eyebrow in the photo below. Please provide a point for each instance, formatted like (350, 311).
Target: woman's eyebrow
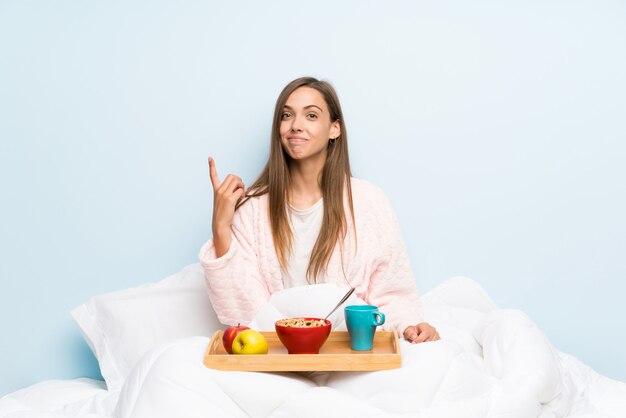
(305, 107)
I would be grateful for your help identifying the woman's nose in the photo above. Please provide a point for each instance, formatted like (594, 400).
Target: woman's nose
(296, 125)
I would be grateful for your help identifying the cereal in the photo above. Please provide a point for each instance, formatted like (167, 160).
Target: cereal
(301, 322)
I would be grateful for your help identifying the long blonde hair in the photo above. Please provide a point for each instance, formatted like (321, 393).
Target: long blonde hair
(275, 180)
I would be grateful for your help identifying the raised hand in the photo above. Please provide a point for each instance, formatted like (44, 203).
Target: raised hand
(226, 194)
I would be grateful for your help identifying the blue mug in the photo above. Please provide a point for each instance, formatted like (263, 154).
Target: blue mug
(362, 321)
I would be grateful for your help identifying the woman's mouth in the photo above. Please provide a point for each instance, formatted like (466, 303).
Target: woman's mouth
(296, 139)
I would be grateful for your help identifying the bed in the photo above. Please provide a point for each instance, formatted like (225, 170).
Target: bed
(150, 342)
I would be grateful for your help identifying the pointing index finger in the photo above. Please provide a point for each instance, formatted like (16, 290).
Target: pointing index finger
(215, 180)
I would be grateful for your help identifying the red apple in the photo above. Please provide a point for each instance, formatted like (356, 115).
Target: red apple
(229, 336)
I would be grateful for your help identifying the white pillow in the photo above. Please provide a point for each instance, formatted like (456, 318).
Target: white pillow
(121, 326)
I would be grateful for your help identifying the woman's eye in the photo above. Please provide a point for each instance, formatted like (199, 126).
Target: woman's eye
(311, 116)
(285, 115)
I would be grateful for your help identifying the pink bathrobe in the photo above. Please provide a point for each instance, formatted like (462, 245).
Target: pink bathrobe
(241, 281)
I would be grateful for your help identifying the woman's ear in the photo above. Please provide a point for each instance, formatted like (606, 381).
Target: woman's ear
(335, 130)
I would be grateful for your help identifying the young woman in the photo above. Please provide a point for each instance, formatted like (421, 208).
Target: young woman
(306, 220)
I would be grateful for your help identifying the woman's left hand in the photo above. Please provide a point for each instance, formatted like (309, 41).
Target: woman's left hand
(420, 333)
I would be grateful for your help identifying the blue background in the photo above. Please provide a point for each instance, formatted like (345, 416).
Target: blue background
(496, 128)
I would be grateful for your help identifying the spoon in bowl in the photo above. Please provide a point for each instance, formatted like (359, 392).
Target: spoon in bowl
(343, 299)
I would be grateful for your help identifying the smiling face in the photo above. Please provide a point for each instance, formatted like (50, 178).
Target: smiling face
(306, 126)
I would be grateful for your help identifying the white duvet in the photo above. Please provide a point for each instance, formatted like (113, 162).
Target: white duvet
(489, 363)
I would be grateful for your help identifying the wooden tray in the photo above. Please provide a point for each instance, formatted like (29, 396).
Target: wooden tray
(335, 355)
